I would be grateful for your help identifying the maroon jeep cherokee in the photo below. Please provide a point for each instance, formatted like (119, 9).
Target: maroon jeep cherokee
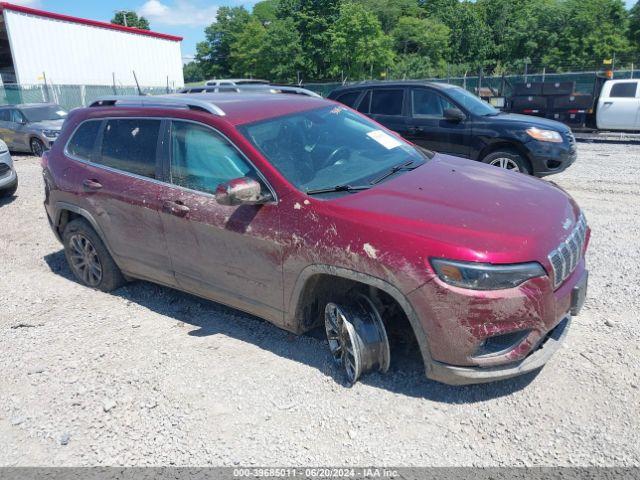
(304, 212)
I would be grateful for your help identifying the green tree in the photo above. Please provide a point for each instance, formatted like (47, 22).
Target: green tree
(213, 54)
(192, 72)
(427, 37)
(266, 11)
(589, 31)
(359, 47)
(281, 51)
(245, 51)
(130, 19)
(634, 26)
(388, 12)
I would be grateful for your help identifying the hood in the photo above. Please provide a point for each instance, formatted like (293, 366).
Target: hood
(48, 124)
(527, 121)
(471, 210)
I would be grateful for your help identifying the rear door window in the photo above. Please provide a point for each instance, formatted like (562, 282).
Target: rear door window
(387, 102)
(365, 103)
(202, 159)
(5, 115)
(624, 90)
(130, 145)
(83, 141)
(349, 99)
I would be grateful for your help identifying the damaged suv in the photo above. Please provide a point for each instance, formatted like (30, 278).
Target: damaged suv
(308, 214)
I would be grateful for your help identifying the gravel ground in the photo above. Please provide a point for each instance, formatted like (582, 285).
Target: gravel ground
(151, 376)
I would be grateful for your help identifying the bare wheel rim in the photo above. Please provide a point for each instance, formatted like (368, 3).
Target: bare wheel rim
(341, 335)
(506, 163)
(37, 148)
(84, 260)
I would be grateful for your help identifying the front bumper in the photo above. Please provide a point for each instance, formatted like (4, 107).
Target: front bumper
(8, 175)
(453, 375)
(548, 158)
(460, 324)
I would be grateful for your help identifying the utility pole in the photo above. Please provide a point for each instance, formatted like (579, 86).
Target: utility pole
(124, 16)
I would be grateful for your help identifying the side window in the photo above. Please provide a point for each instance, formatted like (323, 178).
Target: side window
(84, 139)
(5, 115)
(429, 104)
(130, 145)
(201, 159)
(365, 103)
(387, 102)
(349, 99)
(624, 90)
(16, 116)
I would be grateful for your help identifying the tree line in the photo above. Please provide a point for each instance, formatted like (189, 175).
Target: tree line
(336, 40)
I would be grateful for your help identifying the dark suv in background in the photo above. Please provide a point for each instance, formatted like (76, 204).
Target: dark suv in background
(449, 119)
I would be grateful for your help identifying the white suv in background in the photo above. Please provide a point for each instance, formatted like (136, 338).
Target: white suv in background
(8, 177)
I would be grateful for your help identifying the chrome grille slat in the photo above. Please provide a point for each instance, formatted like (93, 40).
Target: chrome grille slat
(566, 257)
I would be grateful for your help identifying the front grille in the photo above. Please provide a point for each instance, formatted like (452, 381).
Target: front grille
(4, 169)
(565, 258)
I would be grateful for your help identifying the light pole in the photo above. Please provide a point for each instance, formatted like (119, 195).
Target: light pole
(124, 16)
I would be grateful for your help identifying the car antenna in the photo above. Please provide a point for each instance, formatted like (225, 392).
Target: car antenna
(137, 84)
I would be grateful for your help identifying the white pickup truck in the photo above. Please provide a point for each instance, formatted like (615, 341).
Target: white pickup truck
(619, 106)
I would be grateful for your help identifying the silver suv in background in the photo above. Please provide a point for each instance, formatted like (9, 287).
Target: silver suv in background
(8, 177)
(31, 127)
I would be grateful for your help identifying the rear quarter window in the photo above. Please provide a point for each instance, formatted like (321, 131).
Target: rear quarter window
(130, 145)
(349, 99)
(84, 139)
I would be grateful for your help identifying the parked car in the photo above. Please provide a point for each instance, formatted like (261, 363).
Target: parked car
(31, 127)
(306, 213)
(236, 81)
(255, 88)
(449, 119)
(8, 176)
(618, 106)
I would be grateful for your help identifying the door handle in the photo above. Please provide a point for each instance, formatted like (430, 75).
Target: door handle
(608, 103)
(91, 184)
(414, 130)
(175, 207)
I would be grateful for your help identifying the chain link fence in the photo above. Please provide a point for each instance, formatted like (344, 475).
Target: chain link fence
(68, 96)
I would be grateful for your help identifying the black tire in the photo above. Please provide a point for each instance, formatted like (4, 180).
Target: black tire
(509, 160)
(75, 237)
(37, 147)
(10, 190)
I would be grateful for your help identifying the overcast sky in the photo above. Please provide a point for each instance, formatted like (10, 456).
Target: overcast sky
(186, 18)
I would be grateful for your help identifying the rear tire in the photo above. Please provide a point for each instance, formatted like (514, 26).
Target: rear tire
(37, 147)
(89, 259)
(508, 160)
(10, 190)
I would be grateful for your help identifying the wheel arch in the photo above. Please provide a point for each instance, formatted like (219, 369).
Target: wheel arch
(304, 294)
(506, 145)
(66, 212)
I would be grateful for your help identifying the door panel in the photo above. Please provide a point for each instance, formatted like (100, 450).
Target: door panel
(123, 195)
(620, 109)
(428, 128)
(226, 253)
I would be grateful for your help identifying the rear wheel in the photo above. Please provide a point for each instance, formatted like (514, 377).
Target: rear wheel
(89, 259)
(357, 336)
(37, 147)
(508, 160)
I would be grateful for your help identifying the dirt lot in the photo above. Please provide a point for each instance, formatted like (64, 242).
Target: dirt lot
(150, 376)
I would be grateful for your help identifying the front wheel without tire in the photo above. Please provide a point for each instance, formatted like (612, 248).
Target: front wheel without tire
(89, 259)
(357, 337)
(508, 160)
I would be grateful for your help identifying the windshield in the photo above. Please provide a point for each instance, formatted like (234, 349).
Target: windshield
(472, 103)
(330, 146)
(46, 112)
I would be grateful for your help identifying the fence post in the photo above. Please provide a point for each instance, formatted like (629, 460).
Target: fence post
(544, 73)
(83, 95)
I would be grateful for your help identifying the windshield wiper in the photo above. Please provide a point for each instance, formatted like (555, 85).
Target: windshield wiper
(403, 166)
(338, 188)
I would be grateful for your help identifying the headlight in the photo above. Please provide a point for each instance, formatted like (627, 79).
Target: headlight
(3, 147)
(544, 135)
(484, 276)
(51, 133)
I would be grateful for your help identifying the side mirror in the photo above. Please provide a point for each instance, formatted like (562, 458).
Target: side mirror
(454, 115)
(241, 191)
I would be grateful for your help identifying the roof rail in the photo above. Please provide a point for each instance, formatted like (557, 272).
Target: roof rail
(158, 101)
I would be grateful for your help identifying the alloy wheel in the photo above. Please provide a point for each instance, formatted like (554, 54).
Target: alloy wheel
(84, 260)
(506, 163)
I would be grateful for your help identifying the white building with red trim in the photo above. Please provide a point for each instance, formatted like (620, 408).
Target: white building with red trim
(36, 45)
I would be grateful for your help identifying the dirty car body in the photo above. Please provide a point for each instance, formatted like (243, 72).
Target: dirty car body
(302, 211)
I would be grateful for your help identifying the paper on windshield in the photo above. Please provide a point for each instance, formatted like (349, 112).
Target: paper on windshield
(383, 138)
